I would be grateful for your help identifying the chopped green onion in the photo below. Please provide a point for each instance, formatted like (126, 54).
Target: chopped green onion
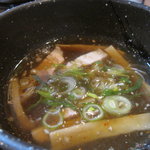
(53, 103)
(97, 66)
(71, 97)
(65, 84)
(68, 103)
(59, 102)
(92, 112)
(125, 80)
(116, 71)
(105, 68)
(59, 65)
(91, 109)
(71, 83)
(78, 92)
(44, 94)
(98, 62)
(85, 101)
(76, 72)
(136, 86)
(92, 95)
(95, 82)
(117, 105)
(48, 117)
(109, 92)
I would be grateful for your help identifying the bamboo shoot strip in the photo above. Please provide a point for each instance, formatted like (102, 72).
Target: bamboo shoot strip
(40, 135)
(83, 133)
(24, 122)
(116, 56)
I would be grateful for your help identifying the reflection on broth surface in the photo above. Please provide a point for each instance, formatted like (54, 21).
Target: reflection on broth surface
(81, 97)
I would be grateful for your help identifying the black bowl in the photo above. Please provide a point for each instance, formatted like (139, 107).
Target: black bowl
(28, 26)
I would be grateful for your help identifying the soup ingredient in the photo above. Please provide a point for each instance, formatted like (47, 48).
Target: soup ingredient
(137, 85)
(24, 122)
(45, 68)
(117, 105)
(89, 92)
(70, 83)
(64, 139)
(116, 71)
(109, 92)
(88, 58)
(92, 95)
(92, 112)
(87, 100)
(53, 116)
(27, 94)
(75, 72)
(27, 85)
(116, 56)
(40, 134)
(79, 92)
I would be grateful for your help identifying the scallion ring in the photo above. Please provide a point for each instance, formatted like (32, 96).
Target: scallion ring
(71, 83)
(92, 112)
(48, 119)
(64, 84)
(117, 105)
(79, 92)
(117, 71)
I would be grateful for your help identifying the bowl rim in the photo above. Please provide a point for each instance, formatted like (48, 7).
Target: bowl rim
(40, 2)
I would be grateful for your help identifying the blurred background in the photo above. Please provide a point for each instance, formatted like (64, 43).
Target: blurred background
(8, 4)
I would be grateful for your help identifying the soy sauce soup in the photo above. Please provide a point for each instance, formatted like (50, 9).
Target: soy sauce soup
(81, 97)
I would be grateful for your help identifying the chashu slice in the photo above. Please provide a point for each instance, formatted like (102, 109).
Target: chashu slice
(87, 59)
(45, 68)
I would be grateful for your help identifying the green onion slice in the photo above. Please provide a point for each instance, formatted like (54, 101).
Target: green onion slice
(93, 95)
(135, 87)
(92, 112)
(117, 105)
(117, 71)
(78, 92)
(65, 84)
(52, 119)
(71, 83)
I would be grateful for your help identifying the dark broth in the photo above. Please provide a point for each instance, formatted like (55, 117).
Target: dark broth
(77, 95)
